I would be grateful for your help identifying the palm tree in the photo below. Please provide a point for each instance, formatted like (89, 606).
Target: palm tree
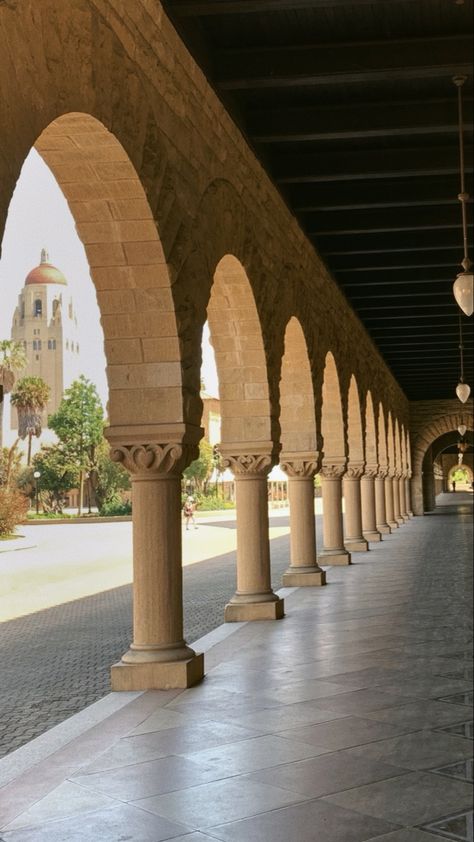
(12, 360)
(30, 398)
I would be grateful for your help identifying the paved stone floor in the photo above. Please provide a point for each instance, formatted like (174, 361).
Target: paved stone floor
(349, 720)
(55, 662)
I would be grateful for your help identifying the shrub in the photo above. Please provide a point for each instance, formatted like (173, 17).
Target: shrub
(13, 509)
(116, 508)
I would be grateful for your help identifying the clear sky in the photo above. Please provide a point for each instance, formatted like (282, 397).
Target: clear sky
(38, 218)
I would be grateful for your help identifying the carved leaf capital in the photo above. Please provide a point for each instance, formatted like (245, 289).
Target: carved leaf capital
(333, 470)
(154, 458)
(299, 468)
(248, 464)
(371, 471)
(354, 471)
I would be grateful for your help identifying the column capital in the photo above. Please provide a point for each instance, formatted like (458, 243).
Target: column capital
(382, 472)
(333, 468)
(354, 470)
(302, 465)
(249, 460)
(148, 451)
(371, 472)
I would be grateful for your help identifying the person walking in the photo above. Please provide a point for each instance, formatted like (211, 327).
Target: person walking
(188, 510)
(454, 485)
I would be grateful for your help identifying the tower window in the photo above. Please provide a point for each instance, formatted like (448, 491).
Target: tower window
(35, 345)
(52, 344)
(38, 308)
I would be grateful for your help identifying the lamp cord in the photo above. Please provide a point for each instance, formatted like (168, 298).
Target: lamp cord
(463, 196)
(461, 348)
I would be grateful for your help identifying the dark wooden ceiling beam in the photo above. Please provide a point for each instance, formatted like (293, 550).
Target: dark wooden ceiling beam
(361, 120)
(324, 64)
(363, 165)
(349, 195)
(437, 277)
(375, 246)
(201, 8)
(408, 261)
(385, 220)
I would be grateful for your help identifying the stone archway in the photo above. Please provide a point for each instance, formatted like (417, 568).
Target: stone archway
(247, 447)
(423, 455)
(299, 457)
(354, 540)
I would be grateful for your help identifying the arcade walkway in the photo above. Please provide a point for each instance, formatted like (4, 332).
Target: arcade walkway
(347, 721)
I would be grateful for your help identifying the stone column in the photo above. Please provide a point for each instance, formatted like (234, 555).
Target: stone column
(354, 541)
(158, 657)
(367, 493)
(408, 494)
(334, 551)
(389, 501)
(254, 598)
(304, 569)
(403, 501)
(380, 511)
(396, 498)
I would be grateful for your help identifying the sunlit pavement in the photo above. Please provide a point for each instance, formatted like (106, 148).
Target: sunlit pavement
(56, 563)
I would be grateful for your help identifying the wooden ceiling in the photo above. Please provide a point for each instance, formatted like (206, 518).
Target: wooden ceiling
(351, 108)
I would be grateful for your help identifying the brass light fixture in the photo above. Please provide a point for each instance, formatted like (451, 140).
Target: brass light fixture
(464, 284)
(462, 430)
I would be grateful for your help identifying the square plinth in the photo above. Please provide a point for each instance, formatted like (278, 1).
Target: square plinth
(241, 612)
(154, 675)
(293, 579)
(328, 558)
(357, 546)
(384, 529)
(372, 537)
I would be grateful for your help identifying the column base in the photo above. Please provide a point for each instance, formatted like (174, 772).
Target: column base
(400, 521)
(384, 529)
(327, 557)
(157, 675)
(393, 524)
(410, 515)
(303, 577)
(356, 546)
(405, 518)
(372, 537)
(241, 612)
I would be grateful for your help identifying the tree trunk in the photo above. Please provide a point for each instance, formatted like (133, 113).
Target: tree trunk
(81, 493)
(30, 436)
(2, 404)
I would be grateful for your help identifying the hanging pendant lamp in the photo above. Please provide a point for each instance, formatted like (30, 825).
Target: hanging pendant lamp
(464, 284)
(462, 389)
(462, 430)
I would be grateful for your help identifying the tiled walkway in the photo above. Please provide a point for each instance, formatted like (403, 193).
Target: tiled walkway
(345, 722)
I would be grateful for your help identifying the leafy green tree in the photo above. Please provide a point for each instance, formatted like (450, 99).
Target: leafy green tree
(79, 423)
(58, 476)
(12, 361)
(10, 465)
(108, 478)
(30, 398)
(200, 470)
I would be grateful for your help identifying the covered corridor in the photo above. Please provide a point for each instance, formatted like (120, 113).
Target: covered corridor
(351, 716)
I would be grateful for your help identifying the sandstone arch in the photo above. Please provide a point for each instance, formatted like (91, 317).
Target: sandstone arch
(371, 452)
(355, 438)
(332, 420)
(297, 411)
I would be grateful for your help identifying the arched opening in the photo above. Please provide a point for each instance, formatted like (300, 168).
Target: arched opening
(371, 454)
(297, 414)
(382, 440)
(460, 478)
(446, 454)
(131, 287)
(391, 444)
(355, 439)
(332, 420)
(236, 337)
(424, 452)
(246, 446)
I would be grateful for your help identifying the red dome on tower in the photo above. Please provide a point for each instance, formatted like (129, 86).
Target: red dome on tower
(45, 273)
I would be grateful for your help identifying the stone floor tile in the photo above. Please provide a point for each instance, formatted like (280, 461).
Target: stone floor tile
(459, 699)
(406, 835)
(459, 827)
(330, 773)
(419, 750)
(415, 798)
(287, 716)
(215, 803)
(303, 691)
(129, 783)
(250, 755)
(363, 701)
(67, 799)
(123, 822)
(345, 733)
(422, 714)
(460, 729)
(312, 821)
(462, 770)
(152, 746)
